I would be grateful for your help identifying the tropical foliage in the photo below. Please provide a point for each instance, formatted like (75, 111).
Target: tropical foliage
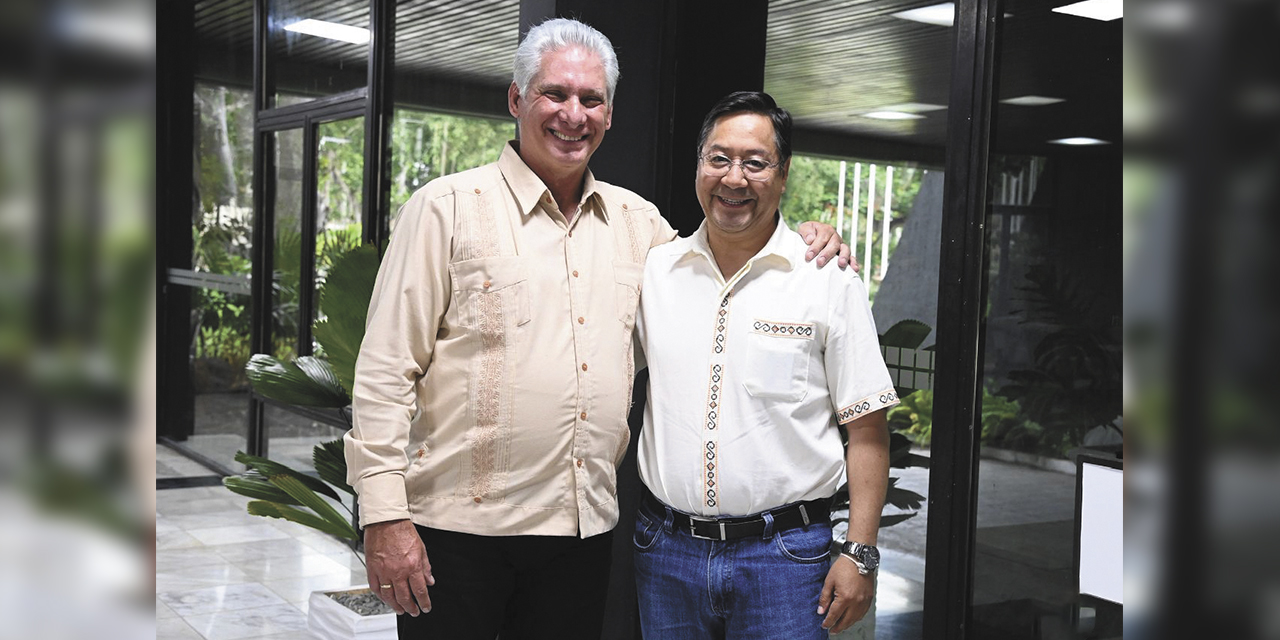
(282, 492)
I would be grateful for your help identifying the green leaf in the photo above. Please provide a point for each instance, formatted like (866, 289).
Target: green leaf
(257, 487)
(331, 463)
(310, 499)
(344, 302)
(271, 469)
(273, 510)
(907, 334)
(307, 381)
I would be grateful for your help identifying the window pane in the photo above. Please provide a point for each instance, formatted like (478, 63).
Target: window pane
(318, 49)
(1051, 361)
(219, 351)
(339, 191)
(425, 146)
(450, 61)
(223, 222)
(287, 248)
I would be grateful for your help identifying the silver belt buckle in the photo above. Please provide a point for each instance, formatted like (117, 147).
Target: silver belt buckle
(693, 529)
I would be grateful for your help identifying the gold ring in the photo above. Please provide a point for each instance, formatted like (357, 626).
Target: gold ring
(385, 586)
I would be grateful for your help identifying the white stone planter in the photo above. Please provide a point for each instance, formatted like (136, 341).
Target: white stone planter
(329, 620)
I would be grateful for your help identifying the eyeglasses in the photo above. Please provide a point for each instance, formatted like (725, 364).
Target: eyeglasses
(715, 165)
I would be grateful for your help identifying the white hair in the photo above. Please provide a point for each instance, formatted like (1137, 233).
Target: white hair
(556, 34)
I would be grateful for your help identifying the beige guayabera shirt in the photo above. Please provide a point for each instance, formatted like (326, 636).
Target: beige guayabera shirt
(494, 381)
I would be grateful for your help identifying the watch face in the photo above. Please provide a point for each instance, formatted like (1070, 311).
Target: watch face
(870, 557)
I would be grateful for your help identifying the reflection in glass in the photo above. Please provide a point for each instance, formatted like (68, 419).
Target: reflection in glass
(1051, 360)
(426, 146)
(218, 352)
(287, 243)
(318, 49)
(223, 222)
(339, 195)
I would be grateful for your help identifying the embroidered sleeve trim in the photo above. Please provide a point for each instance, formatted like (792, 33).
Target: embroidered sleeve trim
(873, 402)
(783, 329)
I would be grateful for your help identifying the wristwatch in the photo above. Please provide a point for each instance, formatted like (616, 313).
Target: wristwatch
(866, 556)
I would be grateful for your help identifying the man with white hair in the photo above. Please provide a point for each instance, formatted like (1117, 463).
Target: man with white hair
(494, 381)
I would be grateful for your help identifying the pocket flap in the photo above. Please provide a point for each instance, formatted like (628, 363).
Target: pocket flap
(628, 273)
(488, 274)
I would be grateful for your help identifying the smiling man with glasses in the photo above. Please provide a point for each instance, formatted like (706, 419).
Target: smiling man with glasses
(754, 357)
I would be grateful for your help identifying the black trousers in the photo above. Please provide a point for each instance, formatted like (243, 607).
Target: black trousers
(516, 587)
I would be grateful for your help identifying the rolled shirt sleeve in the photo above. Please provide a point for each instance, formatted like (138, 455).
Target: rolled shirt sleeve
(857, 377)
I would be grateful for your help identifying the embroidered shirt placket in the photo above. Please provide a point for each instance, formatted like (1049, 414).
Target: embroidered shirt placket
(488, 439)
(714, 416)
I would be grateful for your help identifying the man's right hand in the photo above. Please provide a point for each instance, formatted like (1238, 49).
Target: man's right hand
(395, 556)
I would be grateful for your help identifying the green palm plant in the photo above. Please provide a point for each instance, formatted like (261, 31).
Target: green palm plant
(319, 382)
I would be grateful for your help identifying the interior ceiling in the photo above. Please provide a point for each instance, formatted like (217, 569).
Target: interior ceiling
(828, 61)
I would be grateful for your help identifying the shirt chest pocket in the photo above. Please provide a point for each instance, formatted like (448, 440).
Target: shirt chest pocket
(492, 293)
(627, 277)
(778, 356)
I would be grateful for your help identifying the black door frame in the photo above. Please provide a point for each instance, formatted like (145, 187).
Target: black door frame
(371, 101)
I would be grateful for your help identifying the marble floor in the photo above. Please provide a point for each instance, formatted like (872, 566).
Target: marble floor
(222, 574)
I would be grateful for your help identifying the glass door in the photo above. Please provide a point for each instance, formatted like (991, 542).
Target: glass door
(315, 216)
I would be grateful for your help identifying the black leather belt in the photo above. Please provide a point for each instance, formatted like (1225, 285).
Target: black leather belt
(800, 514)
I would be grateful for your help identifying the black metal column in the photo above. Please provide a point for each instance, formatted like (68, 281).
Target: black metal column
(263, 230)
(175, 87)
(378, 121)
(954, 471)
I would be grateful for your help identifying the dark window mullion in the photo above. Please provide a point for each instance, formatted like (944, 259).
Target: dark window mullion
(377, 121)
(263, 196)
(953, 472)
(307, 262)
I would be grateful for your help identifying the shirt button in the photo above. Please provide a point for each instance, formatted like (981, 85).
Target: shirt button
(579, 463)
(486, 284)
(575, 274)
(624, 207)
(584, 366)
(477, 191)
(477, 499)
(582, 320)
(583, 415)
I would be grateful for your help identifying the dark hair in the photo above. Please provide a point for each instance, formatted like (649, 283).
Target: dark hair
(757, 102)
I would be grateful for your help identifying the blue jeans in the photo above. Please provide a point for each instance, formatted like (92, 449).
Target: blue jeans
(759, 587)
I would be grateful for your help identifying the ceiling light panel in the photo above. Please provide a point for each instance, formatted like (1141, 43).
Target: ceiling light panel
(943, 15)
(1079, 141)
(892, 115)
(1105, 10)
(330, 30)
(1032, 101)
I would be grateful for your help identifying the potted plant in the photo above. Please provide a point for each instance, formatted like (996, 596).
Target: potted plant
(279, 491)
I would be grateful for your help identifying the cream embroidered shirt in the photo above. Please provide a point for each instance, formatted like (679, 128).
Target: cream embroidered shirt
(748, 376)
(494, 380)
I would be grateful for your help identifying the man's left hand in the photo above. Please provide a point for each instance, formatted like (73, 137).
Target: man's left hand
(825, 244)
(846, 595)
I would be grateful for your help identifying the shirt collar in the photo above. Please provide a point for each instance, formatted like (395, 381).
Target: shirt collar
(528, 188)
(776, 248)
